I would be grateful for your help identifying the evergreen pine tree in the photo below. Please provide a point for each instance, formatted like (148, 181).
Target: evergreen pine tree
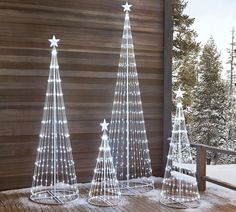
(231, 90)
(230, 143)
(232, 63)
(185, 52)
(210, 101)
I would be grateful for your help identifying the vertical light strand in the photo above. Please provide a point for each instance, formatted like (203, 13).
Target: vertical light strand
(179, 152)
(54, 127)
(127, 96)
(62, 139)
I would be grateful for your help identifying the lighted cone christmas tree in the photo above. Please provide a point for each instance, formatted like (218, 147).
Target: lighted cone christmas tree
(127, 132)
(180, 189)
(54, 179)
(104, 187)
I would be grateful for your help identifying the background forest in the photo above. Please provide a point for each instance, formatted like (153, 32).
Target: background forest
(209, 100)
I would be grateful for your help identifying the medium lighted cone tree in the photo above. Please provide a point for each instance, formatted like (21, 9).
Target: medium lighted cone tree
(179, 188)
(127, 131)
(104, 187)
(54, 179)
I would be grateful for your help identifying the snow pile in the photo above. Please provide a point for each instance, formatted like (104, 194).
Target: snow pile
(153, 195)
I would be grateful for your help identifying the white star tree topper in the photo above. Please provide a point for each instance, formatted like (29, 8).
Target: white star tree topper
(126, 7)
(54, 41)
(104, 125)
(179, 93)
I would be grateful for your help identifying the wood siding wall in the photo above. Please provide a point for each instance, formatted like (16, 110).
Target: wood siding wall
(88, 53)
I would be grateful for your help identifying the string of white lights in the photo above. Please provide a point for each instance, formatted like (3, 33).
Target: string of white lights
(104, 189)
(129, 144)
(179, 187)
(54, 179)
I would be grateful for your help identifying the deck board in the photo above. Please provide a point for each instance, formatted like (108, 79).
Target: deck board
(18, 200)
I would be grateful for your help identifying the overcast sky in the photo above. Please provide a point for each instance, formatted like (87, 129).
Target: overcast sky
(216, 18)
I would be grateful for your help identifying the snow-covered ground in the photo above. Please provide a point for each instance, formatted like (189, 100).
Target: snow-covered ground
(225, 173)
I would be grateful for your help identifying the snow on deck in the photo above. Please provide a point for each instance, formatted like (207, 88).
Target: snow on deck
(214, 199)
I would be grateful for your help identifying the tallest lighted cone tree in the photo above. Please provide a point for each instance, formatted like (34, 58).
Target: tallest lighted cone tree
(127, 132)
(179, 187)
(54, 179)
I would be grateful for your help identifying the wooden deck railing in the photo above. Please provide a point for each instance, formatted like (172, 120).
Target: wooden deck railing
(201, 166)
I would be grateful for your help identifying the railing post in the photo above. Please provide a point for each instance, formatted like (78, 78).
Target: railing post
(201, 167)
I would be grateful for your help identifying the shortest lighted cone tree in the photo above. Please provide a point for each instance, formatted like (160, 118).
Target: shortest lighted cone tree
(179, 187)
(104, 189)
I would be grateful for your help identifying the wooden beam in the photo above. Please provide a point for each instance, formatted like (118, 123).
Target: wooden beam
(168, 42)
(220, 183)
(215, 149)
(201, 168)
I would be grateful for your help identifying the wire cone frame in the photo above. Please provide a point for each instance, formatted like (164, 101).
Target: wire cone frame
(127, 134)
(179, 188)
(104, 189)
(54, 179)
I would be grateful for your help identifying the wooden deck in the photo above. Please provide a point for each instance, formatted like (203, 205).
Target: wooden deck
(18, 200)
